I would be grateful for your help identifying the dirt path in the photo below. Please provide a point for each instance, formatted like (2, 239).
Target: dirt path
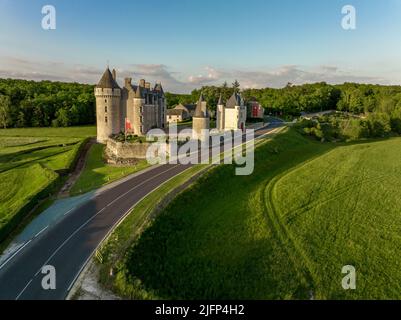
(73, 176)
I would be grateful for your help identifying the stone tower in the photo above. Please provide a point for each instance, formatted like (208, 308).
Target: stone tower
(220, 114)
(108, 105)
(200, 120)
(139, 102)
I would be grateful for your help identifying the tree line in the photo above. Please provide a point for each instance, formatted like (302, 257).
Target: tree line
(293, 100)
(43, 104)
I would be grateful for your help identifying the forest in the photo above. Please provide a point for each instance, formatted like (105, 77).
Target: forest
(295, 99)
(43, 104)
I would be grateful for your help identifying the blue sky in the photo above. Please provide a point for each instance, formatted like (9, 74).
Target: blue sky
(189, 43)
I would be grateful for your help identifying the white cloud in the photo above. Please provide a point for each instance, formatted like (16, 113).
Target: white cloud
(22, 68)
(280, 76)
(155, 73)
(173, 81)
(211, 76)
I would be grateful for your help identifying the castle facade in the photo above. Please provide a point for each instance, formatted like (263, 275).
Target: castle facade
(232, 115)
(132, 109)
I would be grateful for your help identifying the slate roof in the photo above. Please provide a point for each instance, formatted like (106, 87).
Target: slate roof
(107, 81)
(188, 107)
(235, 100)
(159, 88)
(199, 113)
(220, 103)
(138, 92)
(175, 112)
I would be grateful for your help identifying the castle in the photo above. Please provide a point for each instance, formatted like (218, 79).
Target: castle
(231, 116)
(133, 109)
(200, 119)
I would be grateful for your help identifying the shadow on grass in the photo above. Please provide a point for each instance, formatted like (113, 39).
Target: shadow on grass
(21, 158)
(214, 241)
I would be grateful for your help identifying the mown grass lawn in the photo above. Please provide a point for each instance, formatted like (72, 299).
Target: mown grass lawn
(285, 232)
(31, 160)
(18, 186)
(67, 132)
(98, 173)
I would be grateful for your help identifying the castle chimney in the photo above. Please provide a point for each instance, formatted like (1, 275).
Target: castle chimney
(114, 74)
(127, 81)
(147, 85)
(142, 83)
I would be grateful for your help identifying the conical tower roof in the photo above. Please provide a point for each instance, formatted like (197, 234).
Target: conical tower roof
(138, 93)
(235, 100)
(220, 103)
(199, 112)
(159, 88)
(107, 81)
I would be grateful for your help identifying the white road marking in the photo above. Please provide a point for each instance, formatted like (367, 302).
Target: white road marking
(68, 211)
(23, 290)
(15, 253)
(116, 225)
(41, 231)
(79, 272)
(126, 213)
(90, 219)
(26, 243)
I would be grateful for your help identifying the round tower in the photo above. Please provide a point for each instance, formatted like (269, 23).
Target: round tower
(220, 114)
(139, 127)
(200, 120)
(108, 109)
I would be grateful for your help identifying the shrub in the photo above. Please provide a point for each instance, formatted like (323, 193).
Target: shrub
(379, 125)
(351, 129)
(395, 121)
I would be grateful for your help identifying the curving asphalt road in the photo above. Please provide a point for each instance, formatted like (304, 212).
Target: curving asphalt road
(68, 244)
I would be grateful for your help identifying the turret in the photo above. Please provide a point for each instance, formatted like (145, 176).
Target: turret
(108, 99)
(200, 120)
(161, 105)
(220, 114)
(235, 113)
(139, 112)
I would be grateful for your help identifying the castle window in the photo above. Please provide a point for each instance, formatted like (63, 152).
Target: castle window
(105, 119)
(105, 100)
(105, 109)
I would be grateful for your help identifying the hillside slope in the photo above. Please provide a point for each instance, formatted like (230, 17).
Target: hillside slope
(282, 233)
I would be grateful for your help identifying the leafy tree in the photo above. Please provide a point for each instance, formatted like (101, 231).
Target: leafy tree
(396, 120)
(379, 124)
(236, 85)
(5, 103)
(37, 103)
(63, 118)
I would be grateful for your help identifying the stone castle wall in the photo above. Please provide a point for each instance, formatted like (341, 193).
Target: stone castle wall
(125, 151)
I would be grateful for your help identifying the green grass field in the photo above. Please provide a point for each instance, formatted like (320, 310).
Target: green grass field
(97, 173)
(31, 160)
(285, 232)
(114, 249)
(67, 132)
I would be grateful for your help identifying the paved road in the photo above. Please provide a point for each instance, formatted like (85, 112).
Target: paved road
(68, 244)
